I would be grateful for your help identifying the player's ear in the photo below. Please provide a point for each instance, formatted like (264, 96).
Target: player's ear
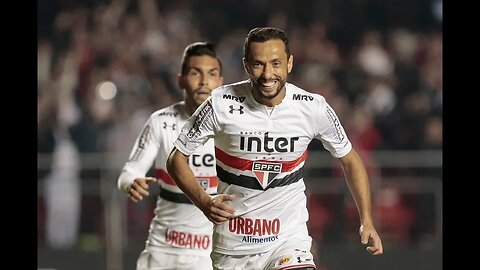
(180, 81)
(245, 66)
(290, 63)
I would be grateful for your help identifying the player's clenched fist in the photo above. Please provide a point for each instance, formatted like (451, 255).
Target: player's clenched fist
(370, 238)
(217, 210)
(139, 188)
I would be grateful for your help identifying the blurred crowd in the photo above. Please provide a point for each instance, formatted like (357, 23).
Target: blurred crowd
(104, 66)
(383, 78)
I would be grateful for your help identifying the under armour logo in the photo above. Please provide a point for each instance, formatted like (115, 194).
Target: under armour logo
(165, 125)
(240, 110)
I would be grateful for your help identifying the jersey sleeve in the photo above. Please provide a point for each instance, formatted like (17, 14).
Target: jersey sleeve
(331, 132)
(141, 157)
(198, 129)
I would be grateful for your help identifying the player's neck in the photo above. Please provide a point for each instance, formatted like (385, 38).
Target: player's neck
(190, 107)
(270, 102)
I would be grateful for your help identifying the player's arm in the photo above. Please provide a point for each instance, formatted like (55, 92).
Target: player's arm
(359, 186)
(330, 131)
(213, 207)
(132, 179)
(139, 188)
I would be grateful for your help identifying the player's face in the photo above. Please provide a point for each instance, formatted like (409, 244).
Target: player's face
(268, 66)
(203, 75)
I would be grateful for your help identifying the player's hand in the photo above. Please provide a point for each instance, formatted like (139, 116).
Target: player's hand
(371, 239)
(218, 211)
(139, 188)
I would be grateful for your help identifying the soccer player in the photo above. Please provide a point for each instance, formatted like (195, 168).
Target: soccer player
(180, 236)
(261, 129)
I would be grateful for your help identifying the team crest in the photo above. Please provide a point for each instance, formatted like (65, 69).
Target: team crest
(266, 171)
(204, 182)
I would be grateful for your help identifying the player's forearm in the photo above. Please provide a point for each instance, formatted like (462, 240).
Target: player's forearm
(359, 186)
(177, 166)
(361, 194)
(138, 164)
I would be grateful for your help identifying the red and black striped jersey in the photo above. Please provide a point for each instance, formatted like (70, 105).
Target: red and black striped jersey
(178, 225)
(261, 154)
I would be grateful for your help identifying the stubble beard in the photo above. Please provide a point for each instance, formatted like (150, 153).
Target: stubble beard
(270, 95)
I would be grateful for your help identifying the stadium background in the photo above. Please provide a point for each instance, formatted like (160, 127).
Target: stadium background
(104, 66)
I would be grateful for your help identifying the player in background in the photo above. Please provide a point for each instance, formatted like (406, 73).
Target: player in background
(261, 129)
(180, 236)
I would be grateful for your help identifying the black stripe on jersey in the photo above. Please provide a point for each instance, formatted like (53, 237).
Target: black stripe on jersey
(252, 182)
(175, 197)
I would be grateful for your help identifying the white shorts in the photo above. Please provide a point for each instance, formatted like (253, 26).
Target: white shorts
(291, 255)
(149, 260)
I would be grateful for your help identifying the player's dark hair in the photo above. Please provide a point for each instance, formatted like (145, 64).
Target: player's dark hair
(262, 34)
(199, 48)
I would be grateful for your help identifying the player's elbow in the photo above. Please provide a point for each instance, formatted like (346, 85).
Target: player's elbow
(170, 161)
(173, 159)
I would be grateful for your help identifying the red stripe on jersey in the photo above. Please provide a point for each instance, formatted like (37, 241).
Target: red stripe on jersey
(165, 177)
(244, 164)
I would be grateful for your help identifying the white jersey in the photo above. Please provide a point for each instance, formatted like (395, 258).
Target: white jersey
(178, 225)
(260, 159)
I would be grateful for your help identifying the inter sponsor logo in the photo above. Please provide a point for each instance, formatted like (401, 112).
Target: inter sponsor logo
(255, 133)
(196, 160)
(187, 240)
(237, 99)
(302, 97)
(266, 171)
(258, 227)
(267, 144)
